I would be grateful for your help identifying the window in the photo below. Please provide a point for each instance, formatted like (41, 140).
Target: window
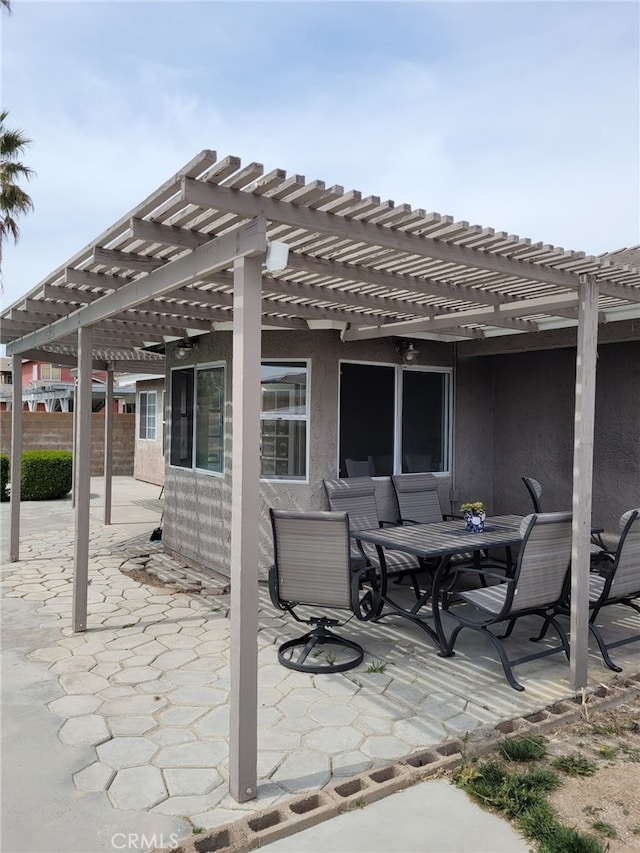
(197, 418)
(284, 414)
(396, 418)
(147, 425)
(48, 371)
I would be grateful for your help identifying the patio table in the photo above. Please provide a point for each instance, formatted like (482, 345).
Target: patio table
(439, 541)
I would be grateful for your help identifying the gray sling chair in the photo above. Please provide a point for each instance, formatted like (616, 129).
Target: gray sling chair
(600, 554)
(312, 568)
(537, 587)
(357, 497)
(419, 503)
(620, 585)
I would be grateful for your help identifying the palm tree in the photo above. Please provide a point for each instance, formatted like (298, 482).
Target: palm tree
(14, 201)
(6, 4)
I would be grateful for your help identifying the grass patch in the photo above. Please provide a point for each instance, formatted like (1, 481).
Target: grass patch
(377, 666)
(523, 749)
(603, 828)
(522, 798)
(575, 765)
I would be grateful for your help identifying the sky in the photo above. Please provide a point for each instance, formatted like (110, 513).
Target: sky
(520, 116)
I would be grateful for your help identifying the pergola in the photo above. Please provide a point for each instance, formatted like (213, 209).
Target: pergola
(204, 252)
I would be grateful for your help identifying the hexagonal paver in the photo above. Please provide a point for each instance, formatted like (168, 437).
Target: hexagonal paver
(132, 725)
(136, 675)
(95, 777)
(170, 737)
(84, 731)
(303, 771)
(75, 705)
(137, 788)
(419, 732)
(173, 659)
(49, 655)
(134, 705)
(332, 713)
(386, 748)
(197, 754)
(333, 740)
(126, 751)
(83, 682)
(207, 696)
(183, 716)
(189, 781)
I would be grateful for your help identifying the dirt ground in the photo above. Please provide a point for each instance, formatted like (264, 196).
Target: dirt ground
(605, 805)
(610, 798)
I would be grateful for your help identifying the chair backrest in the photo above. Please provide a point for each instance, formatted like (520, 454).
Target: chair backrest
(417, 496)
(416, 463)
(626, 568)
(535, 492)
(543, 560)
(357, 467)
(357, 496)
(311, 554)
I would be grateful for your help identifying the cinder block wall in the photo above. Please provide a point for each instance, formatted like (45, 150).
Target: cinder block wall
(54, 431)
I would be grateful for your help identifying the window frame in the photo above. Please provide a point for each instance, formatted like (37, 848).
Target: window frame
(306, 419)
(147, 437)
(399, 370)
(196, 368)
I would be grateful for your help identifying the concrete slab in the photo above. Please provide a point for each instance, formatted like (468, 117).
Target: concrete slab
(432, 817)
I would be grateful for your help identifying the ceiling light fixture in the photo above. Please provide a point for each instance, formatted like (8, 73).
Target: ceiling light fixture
(184, 347)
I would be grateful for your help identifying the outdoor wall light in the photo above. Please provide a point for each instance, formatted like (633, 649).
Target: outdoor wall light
(277, 256)
(184, 347)
(407, 352)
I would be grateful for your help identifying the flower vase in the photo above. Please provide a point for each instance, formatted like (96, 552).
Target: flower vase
(474, 521)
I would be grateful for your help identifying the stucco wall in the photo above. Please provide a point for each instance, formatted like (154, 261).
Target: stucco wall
(54, 431)
(198, 515)
(524, 427)
(149, 453)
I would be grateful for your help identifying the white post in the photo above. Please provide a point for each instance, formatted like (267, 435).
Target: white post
(583, 477)
(108, 444)
(82, 409)
(245, 522)
(16, 456)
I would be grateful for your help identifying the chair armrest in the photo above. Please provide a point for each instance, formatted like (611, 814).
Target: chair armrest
(407, 521)
(383, 523)
(451, 515)
(469, 570)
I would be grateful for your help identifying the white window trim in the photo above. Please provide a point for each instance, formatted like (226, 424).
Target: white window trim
(155, 424)
(207, 365)
(306, 418)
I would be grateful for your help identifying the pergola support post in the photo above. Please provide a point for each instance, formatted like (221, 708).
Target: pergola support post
(586, 357)
(82, 471)
(108, 444)
(16, 457)
(245, 524)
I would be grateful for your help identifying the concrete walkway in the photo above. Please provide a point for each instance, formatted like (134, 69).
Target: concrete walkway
(122, 731)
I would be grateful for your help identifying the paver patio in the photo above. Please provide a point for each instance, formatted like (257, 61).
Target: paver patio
(147, 685)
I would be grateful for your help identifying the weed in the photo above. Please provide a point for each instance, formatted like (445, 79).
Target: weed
(636, 829)
(317, 653)
(360, 804)
(575, 765)
(197, 830)
(377, 666)
(631, 754)
(523, 749)
(522, 798)
(591, 810)
(603, 828)
(129, 625)
(331, 658)
(607, 752)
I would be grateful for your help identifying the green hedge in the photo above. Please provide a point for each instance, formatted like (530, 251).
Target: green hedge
(46, 475)
(4, 477)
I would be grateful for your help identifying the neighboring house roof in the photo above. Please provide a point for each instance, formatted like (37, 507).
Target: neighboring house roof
(370, 268)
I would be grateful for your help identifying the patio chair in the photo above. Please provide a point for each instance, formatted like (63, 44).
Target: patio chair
(357, 467)
(418, 499)
(357, 497)
(381, 466)
(599, 551)
(417, 463)
(621, 585)
(537, 588)
(312, 568)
